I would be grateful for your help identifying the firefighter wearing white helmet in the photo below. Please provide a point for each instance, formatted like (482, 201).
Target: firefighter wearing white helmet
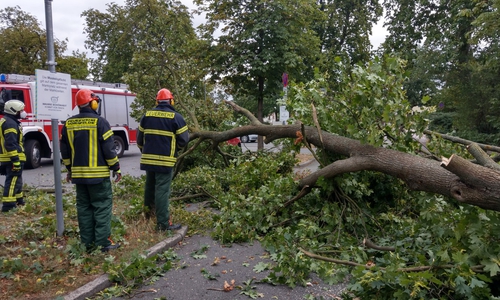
(12, 155)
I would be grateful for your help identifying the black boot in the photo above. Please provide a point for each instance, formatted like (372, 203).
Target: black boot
(6, 206)
(110, 247)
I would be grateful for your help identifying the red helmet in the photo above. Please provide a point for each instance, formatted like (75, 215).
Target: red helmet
(164, 94)
(84, 96)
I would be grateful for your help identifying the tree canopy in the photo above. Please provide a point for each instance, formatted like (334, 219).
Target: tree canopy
(450, 48)
(258, 42)
(346, 28)
(150, 45)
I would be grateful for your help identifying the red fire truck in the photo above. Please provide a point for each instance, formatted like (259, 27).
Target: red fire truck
(115, 107)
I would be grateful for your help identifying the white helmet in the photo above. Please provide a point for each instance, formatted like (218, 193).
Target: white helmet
(12, 107)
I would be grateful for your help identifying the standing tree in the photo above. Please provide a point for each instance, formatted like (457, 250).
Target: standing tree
(75, 64)
(259, 41)
(451, 49)
(110, 35)
(347, 27)
(149, 44)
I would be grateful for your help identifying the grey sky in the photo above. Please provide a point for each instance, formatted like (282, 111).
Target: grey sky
(66, 19)
(67, 22)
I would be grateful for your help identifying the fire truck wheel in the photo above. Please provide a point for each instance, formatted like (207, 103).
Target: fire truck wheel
(120, 146)
(33, 154)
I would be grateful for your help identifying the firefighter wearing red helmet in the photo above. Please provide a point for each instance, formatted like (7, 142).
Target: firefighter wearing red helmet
(165, 95)
(88, 152)
(12, 155)
(162, 132)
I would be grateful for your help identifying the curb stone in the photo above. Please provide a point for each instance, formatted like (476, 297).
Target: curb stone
(306, 163)
(102, 282)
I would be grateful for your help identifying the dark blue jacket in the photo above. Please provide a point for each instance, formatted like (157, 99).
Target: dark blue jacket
(162, 132)
(88, 147)
(11, 140)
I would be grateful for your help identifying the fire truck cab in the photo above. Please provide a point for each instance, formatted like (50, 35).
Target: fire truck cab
(114, 107)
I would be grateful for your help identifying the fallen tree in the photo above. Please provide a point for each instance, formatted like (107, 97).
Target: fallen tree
(463, 180)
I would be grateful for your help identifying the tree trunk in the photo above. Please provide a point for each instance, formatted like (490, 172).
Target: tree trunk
(260, 109)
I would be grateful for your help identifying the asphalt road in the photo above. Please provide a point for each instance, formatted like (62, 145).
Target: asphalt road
(43, 177)
(202, 276)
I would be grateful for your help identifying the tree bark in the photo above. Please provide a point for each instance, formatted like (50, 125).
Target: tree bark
(458, 178)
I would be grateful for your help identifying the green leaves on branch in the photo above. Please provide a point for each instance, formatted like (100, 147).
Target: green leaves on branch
(363, 102)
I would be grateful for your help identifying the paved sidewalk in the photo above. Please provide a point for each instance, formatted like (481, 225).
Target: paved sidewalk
(202, 275)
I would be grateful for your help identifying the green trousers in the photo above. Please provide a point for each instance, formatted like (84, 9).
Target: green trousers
(156, 196)
(94, 204)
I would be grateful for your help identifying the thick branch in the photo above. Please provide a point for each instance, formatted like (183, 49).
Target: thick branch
(368, 243)
(420, 174)
(245, 112)
(478, 268)
(482, 157)
(477, 178)
(348, 165)
(456, 139)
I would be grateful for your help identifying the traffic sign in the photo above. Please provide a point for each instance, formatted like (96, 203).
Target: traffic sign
(53, 95)
(285, 79)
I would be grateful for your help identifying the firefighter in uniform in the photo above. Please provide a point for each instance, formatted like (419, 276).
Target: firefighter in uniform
(88, 152)
(162, 132)
(12, 156)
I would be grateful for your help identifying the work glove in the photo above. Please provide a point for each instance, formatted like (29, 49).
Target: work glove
(16, 166)
(117, 175)
(68, 176)
(3, 170)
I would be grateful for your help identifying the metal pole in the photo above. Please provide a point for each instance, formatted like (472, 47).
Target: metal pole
(51, 60)
(56, 155)
(57, 177)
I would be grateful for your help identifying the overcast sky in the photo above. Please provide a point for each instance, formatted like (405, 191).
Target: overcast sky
(67, 22)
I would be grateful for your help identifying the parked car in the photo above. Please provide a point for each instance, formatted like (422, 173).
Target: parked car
(251, 138)
(234, 142)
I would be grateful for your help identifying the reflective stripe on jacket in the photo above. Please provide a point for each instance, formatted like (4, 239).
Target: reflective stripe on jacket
(11, 139)
(88, 147)
(162, 132)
